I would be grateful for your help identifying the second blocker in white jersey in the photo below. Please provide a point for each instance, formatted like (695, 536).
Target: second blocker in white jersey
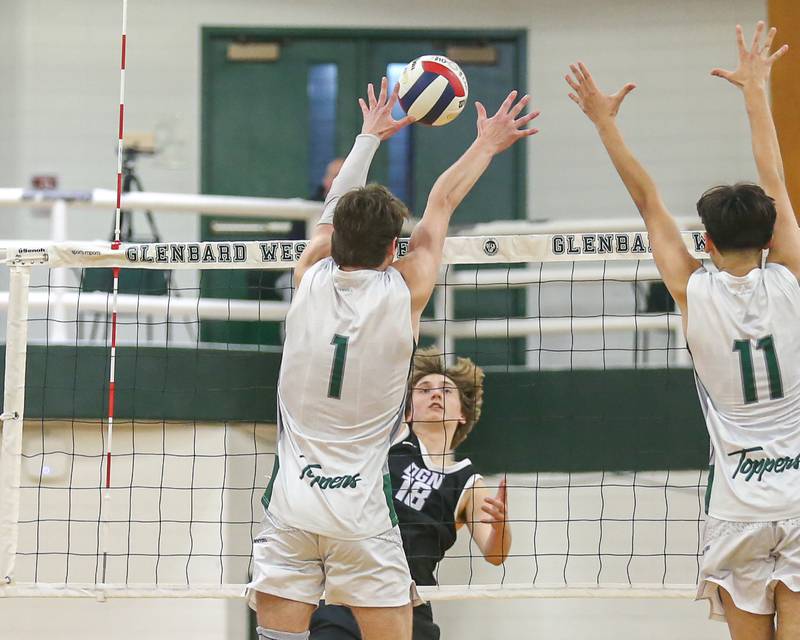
(341, 398)
(744, 336)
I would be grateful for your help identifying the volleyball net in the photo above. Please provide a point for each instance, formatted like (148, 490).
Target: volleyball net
(589, 414)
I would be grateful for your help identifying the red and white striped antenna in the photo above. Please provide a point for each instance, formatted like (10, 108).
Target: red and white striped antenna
(115, 245)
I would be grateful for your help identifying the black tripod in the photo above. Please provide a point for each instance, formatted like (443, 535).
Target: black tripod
(131, 182)
(135, 281)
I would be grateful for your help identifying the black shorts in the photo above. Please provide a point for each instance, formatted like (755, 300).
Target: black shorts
(333, 622)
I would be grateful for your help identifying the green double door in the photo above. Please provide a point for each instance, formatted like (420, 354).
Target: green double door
(278, 105)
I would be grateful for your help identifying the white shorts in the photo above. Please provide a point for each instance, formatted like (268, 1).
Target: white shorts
(748, 559)
(299, 565)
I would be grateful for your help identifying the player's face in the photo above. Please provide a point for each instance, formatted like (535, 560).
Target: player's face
(434, 400)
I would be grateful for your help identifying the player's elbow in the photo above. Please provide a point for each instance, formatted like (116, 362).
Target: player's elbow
(440, 201)
(648, 203)
(496, 560)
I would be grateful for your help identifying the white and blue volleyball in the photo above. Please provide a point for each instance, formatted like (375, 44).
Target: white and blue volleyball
(433, 90)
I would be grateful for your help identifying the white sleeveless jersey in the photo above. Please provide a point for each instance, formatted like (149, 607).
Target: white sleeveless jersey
(341, 397)
(744, 336)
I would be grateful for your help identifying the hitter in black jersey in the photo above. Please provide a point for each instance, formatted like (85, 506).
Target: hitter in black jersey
(433, 494)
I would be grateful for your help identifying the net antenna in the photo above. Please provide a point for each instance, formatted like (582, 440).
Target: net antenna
(115, 244)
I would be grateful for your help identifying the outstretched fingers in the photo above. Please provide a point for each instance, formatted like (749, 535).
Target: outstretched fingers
(721, 73)
(506, 106)
(620, 95)
(757, 36)
(768, 42)
(382, 97)
(779, 53)
(522, 123)
(588, 80)
(740, 43)
(394, 97)
(572, 83)
(517, 108)
(404, 122)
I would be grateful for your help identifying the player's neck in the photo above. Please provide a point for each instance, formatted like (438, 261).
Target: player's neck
(738, 264)
(378, 268)
(436, 441)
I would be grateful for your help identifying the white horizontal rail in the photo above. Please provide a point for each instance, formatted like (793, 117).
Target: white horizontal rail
(441, 593)
(576, 225)
(236, 206)
(66, 306)
(69, 304)
(523, 327)
(502, 278)
(296, 209)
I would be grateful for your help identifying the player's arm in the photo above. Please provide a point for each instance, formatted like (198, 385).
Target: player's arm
(486, 517)
(420, 266)
(752, 76)
(674, 262)
(378, 125)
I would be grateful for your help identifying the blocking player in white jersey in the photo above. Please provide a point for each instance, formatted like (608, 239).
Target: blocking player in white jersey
(742, 326)
(350, 334)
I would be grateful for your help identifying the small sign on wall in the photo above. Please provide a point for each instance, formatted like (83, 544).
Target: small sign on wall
(44, 182)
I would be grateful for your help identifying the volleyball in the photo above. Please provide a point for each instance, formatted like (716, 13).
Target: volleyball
(433, 90)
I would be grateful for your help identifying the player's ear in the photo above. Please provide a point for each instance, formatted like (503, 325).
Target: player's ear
(708, 242)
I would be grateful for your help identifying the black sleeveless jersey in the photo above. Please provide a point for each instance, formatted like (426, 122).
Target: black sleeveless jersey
(425, 499)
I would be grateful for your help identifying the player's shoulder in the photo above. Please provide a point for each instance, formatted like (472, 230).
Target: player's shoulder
(325, 265)
(779, 272)
(699, 279)
(404, 441)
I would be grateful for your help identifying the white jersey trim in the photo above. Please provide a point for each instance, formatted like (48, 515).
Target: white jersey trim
(462, 499)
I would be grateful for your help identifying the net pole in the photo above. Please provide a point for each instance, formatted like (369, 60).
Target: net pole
(12, 417)
(115, 290)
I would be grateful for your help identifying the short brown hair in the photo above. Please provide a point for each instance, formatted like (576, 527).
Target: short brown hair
(466, 375)
(737, 217)
(365, 223)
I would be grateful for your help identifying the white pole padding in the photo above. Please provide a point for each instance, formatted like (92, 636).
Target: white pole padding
(12, 416)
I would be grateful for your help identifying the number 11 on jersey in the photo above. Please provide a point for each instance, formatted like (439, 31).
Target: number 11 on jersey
(767, 346)
(337, 369)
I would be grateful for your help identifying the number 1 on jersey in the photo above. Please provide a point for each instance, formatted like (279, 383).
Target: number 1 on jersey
(767, 345)
(337, 370)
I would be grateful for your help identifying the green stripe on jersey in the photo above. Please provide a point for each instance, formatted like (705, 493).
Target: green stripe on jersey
(387, 492)
(268, 491)
(708, 486)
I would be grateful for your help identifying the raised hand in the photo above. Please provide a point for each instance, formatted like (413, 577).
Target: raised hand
(506, 126)
(756, 62)
(598, 106)
(496, 508)
(377, 112)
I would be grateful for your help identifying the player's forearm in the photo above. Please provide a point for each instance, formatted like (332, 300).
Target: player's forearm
(498, 545)
(764, 137)
(455, 183)
(637, 181)
(353, 173)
